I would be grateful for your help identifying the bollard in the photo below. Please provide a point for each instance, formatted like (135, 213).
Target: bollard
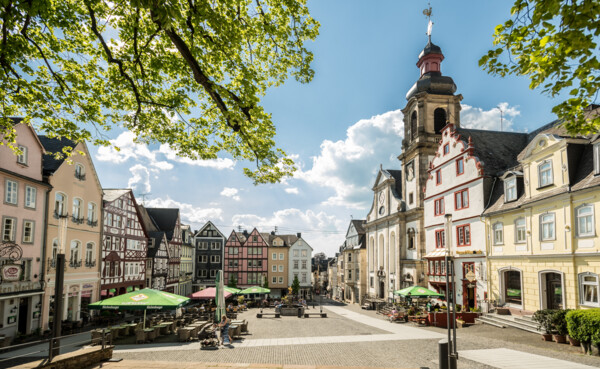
(299, 313)
(443, 353)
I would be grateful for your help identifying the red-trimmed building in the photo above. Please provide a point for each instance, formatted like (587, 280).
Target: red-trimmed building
(246, 257)
(124, 245)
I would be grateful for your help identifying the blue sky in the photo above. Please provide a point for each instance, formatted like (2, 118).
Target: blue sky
(341, 126)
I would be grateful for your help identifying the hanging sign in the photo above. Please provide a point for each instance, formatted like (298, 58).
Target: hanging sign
(11, 272)
(470, 276)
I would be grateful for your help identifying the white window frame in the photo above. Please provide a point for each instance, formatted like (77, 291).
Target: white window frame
(295, 264)
(518, 228)
(213, 273)
(274, 280)
(77, 209)
(281, 269)
(597, 158)
(75, 245)
(296, 253)
(510, 189)
(274, 268)
(583, 283)
(30, 197)
(10, 236)
(281, 256)
(543, 222)
(587, 232)
(542, 170)
(280, 280)
(498, 233)
(11, 192)
(89, 256)
(274, 256)
(22, 157)
(32, 230)
(304, 253)
(60, 205)
(92, 211)
(204, 258)
(215, 258)
(80, 172)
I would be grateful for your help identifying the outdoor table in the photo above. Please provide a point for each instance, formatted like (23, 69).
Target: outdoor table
(164, 328)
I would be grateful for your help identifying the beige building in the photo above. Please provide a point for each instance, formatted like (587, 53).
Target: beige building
(74, 228)
(278, 263)
(23, 229)
(354, 255)
(543, 234)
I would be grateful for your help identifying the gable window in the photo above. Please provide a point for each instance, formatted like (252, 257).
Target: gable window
(28, 227)
(547, 227)
(597, 158)
(59, 204)
(254, 238)
(439, 206)
(589, 288)
(80, 173)
(440, 238)
(22, 157)
(10, 193)
(510, 189)
(520, 231)
(461, 199)
(460, 166)
(8, 229)
(446, 149)
(304, 253)
(498, 231)
(438, 176)
(296, 253)
(545, 173)
(585, 220)
(463, 234)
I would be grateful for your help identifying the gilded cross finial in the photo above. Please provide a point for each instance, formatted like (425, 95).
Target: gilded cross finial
(428, 13)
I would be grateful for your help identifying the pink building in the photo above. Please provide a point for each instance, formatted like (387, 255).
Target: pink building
(22, 213)
(246, 258)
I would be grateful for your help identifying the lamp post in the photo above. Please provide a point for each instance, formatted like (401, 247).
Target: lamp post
(450, 297)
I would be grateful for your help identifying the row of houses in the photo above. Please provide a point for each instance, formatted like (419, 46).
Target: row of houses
(516, 211)
(112, 244)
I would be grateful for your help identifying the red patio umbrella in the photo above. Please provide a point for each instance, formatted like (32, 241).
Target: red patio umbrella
(208, 294)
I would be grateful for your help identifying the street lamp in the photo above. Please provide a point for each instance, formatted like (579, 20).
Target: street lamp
(450, 297)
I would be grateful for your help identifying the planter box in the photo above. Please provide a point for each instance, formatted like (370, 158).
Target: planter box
(291, 311)
(440, 320)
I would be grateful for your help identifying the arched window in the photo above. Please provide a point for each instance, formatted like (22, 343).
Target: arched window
(585, 220)
(89, 253)
(77, 208)
(498, 232)
(54, 249)
(75, 250)
(512, 287)
(380, 253)
(439, 120)
(79, 172)
(411, 238)
(413, 124)
(91, 214)
(59, 204)
(589, 289)
(393, 253)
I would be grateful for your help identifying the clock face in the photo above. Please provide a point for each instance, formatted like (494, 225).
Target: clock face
(381, 197)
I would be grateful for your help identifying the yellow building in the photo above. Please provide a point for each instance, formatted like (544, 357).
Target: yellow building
(542, 236)
(277, 276)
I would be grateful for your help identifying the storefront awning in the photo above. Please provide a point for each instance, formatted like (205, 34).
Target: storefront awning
(439, 253)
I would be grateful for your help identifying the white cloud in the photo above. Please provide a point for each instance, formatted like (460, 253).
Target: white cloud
(323, 232)
(230, 192)
(219, 163)
(190, 214)
(472, 117)
(347, 166)
(292, 190)
(140, 180)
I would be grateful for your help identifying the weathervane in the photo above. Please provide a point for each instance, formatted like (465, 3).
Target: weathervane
(428, 13)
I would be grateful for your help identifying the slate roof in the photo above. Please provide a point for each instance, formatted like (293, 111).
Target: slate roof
(111, 194)
(397, 175)
(157, 237)
(496, 150)
(165, 219)
(358, 225)
(52, 146)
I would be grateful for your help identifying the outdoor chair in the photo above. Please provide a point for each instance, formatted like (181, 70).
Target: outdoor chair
(140, 336)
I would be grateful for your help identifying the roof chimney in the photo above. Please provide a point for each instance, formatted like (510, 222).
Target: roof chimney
(245, 233)
(299, 235)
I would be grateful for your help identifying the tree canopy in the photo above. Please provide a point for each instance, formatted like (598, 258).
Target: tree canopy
(554, 43)
(187, 73)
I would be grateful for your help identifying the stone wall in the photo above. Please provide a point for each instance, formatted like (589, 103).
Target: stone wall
(83, 358)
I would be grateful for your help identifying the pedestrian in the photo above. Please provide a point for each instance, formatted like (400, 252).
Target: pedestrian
(224, 327)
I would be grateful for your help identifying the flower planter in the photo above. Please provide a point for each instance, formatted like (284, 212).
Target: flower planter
(439, 319)
(573, 341)
(559, 338)
(547, 337)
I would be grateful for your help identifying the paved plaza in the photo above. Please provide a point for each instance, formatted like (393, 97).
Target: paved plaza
(353, 337)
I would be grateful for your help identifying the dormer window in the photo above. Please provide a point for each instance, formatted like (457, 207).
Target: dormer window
(22, 157)
(79, 172)
(545, 173)
(597, 158)
(510, 189)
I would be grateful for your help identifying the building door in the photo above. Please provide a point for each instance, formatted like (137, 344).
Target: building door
(381, 289)
(469, 295)
(23, 309)
(553, 291)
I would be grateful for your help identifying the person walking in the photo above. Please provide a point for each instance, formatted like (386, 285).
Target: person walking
(224, 327)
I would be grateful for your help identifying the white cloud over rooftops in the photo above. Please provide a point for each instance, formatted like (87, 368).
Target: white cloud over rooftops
(230, 192)
(194, 215)
(477, 118)
(292, 190)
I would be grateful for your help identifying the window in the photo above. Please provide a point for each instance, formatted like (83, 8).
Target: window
(280, 280)
(80, 175)
(281, 268)
(10, 193)
(438, 176)
(303, 264)
(437, 267)
(274, 256)
(547, 227)
(213, 273)
(460, 166)
(520, 231)
(30, 196)
(202, 273)
(77, 208)
(54, 249)
(510, 189)
(349, 257)
(461, 199)
(303, 280)
(203, 258)
(274, 280)
(446, 149)
(28, 229)
(89, 252)
(597, 158)
(304, 253)
(22, 157)
(91, 214)
(349, 275)
(585, 220)
(59, 204)
(75, 246)
(439, 206)
(254, 238)
(440, 238)
(281, 256)
(273, 268)
(215, 258)
(463, 234)
(296, 253)
(545, 173)
(411, 238)
(512, 287)
(8, 229)
(295, 264)
(468, 266)
(413, 125)
(411, 198)
(215, 246)
(498, 231)
(589, 287)
(107, 243)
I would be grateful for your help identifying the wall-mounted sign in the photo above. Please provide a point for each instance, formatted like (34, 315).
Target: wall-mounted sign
(12, 319)
(11, 272)
(86, 286)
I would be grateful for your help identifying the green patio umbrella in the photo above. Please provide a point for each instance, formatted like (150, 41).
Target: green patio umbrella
(232, 290)
(145, 299)
(417, 291)
(253, 290)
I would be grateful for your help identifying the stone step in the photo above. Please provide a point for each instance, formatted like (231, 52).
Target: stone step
(526, 321)
(512, 323)
(483, 320)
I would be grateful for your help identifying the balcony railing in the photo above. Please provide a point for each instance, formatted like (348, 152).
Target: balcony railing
(90, 264)
(92, 223)
(75, 264)
(57, 215)
(77, 220)
(52, 263)
(80, 176)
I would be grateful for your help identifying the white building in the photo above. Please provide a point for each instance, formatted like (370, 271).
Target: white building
(300, 265)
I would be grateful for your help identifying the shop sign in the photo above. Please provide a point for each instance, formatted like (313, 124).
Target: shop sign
(88, 286)
(470, 276)
(11, 272)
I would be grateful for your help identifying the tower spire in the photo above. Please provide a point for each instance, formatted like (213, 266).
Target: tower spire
(428, 13)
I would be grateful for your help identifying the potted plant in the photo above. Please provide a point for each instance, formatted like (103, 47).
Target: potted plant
(544, 321)
(559, 324)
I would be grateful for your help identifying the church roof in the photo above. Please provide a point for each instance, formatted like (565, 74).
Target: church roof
(397, 175)
(430, 48)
